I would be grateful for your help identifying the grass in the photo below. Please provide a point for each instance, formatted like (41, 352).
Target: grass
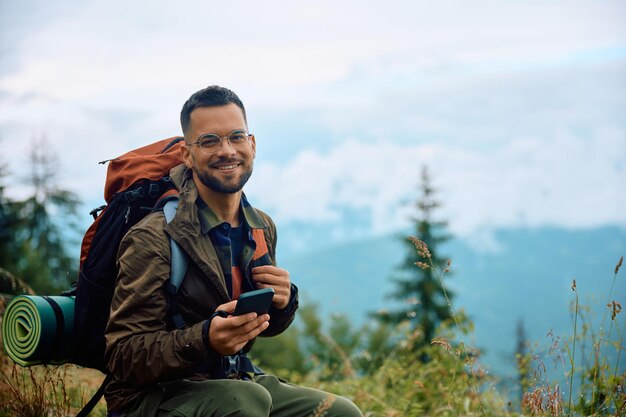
(51, 391)
(587, 382)
(600, 387)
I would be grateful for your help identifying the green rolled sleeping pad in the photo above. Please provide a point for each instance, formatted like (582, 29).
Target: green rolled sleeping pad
(38, 329)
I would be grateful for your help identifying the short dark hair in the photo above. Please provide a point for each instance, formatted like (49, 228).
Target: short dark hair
(213, 95)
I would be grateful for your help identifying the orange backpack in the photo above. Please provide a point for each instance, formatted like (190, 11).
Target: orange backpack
(138, 174)
(136, 183)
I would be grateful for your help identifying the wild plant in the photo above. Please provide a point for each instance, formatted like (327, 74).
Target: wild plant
(600, 391)
(424, 253)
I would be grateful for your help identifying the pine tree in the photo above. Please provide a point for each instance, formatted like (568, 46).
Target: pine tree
(9, 224)
(419, 288)
(41, 225)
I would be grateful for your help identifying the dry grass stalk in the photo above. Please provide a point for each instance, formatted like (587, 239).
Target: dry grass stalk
(424, 252)
(543, 401)
(34, 392)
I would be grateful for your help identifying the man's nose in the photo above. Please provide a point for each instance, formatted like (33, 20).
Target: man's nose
(226, 148)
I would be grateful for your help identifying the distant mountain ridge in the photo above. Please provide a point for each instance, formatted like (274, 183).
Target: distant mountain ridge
(523, 274)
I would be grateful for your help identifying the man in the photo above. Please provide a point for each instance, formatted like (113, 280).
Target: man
(200, 369)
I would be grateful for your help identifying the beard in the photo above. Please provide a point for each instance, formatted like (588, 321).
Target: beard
(229, 186)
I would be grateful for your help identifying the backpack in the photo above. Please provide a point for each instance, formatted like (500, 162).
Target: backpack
(136, 183)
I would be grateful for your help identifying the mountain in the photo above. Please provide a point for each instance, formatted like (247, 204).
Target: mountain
(498, 278)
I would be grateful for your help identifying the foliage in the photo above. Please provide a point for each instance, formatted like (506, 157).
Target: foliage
(424, 303)
(451, 383)
(590, 384)
(522, 358)
(33, 392)
(404, 386)
(281, 353)
(34, 229)
(9, 225)
(55, 391)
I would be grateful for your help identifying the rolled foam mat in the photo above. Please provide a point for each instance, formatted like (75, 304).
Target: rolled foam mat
(38, 329)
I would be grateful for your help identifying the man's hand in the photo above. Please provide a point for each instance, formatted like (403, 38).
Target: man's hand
(267, 276)
(229, 335)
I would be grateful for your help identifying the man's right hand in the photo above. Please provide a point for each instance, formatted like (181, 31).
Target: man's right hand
(229, 335)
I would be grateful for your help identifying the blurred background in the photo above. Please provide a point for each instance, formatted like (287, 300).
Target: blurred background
(517, 109)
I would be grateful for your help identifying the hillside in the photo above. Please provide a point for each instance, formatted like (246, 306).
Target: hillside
(521, 274)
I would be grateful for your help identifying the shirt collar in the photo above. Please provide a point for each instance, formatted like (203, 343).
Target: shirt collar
(209, 220)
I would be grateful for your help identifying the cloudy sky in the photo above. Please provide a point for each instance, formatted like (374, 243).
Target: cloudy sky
(517, 107)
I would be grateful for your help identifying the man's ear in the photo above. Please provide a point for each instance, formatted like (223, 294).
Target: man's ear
(253, 144)
(185, 153)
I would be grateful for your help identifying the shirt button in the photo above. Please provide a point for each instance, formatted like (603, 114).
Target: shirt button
(227, 256)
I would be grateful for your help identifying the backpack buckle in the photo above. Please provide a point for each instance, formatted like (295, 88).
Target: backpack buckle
(154, 190)
(231, 366)
(97, 210)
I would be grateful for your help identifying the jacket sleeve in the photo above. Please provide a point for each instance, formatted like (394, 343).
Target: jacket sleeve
(279, 319)
(139, 347)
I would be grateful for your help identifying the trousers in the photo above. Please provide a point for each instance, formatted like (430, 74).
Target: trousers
(264, 396)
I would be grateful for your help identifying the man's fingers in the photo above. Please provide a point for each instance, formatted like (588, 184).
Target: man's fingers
(269, 279)
(228, 307)
(264, 269)
(270, 273)
(228, 335)
(252, 330)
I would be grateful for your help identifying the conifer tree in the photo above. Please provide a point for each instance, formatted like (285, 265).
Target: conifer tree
(418, 289)
(8, 224)
(40, 226)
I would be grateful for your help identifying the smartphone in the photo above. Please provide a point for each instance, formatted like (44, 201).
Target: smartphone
(257, 301)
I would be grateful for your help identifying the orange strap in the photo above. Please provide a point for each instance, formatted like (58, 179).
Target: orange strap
(236, 280)
(261, 246)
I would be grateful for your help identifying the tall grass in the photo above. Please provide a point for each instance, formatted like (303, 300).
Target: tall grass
(422, 250)
(404, 386)
(572, 355)
(601, 388)
(44, 390)
(34, 392)
(451, 384)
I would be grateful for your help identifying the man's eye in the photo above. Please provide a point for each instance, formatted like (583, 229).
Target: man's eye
(209, 142)
(238, 137)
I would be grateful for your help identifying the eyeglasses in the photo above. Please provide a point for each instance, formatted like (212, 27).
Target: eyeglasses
(212, 143)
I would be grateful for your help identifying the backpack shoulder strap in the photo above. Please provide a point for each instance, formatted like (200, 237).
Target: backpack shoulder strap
(178, 267)
(96, 397)
(179, 263)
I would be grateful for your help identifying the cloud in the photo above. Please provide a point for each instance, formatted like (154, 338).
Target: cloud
(348, 100)
(94, 52)
(568, 180)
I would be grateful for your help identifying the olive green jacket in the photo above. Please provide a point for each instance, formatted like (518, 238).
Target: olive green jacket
(143, 347)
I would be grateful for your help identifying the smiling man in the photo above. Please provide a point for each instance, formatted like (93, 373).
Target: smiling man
(199, 368)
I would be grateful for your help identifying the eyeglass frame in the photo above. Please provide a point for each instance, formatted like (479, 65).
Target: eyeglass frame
(221, 138)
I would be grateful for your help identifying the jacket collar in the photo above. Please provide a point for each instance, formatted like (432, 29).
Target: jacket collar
(183, 179)
(209, 220)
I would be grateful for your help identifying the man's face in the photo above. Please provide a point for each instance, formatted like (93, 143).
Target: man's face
(227, 170)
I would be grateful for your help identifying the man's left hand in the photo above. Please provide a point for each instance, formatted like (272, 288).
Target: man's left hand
(269, 276)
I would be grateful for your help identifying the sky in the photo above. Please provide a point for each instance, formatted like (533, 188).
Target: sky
(516, 107)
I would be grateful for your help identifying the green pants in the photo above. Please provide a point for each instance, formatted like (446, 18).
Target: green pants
(263, 397)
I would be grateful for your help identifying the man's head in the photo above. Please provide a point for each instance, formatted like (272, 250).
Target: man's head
(219, 150)
(213, 95)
